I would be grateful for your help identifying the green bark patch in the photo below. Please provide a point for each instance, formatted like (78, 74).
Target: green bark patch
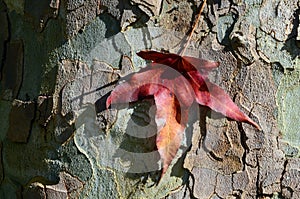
(289, 111)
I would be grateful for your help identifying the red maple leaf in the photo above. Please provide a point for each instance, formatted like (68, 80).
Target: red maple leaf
(175, 82)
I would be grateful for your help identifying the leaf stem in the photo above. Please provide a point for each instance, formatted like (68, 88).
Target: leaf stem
(193, 29)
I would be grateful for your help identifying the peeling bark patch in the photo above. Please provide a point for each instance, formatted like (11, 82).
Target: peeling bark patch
(56, 191)
(178, 18)
(291, 179)
(86, 87)
(72, 183)
(150, 7)
(272, 51)
(79, 14)
(224, 185)
(276, 18)
(289, 111)
(271, 165)
(244, 46)
(13, 70)
(240, 180)
(65, 188)
(20, 121)
(205, 179)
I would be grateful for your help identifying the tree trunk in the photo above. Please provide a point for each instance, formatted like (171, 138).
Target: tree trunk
(60, 60)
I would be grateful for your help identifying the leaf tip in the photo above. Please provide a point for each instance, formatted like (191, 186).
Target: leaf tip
(163, 172)
(141, 53)
(251, 122)
(255, 125)
(213, 64)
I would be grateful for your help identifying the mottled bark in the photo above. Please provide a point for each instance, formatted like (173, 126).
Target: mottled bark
(60, 59)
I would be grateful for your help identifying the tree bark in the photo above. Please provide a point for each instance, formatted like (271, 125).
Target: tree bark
(60, 60)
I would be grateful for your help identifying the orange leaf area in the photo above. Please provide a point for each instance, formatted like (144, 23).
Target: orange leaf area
(170, 129)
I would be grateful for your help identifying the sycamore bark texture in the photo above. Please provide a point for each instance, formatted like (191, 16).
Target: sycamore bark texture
(59, 59)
